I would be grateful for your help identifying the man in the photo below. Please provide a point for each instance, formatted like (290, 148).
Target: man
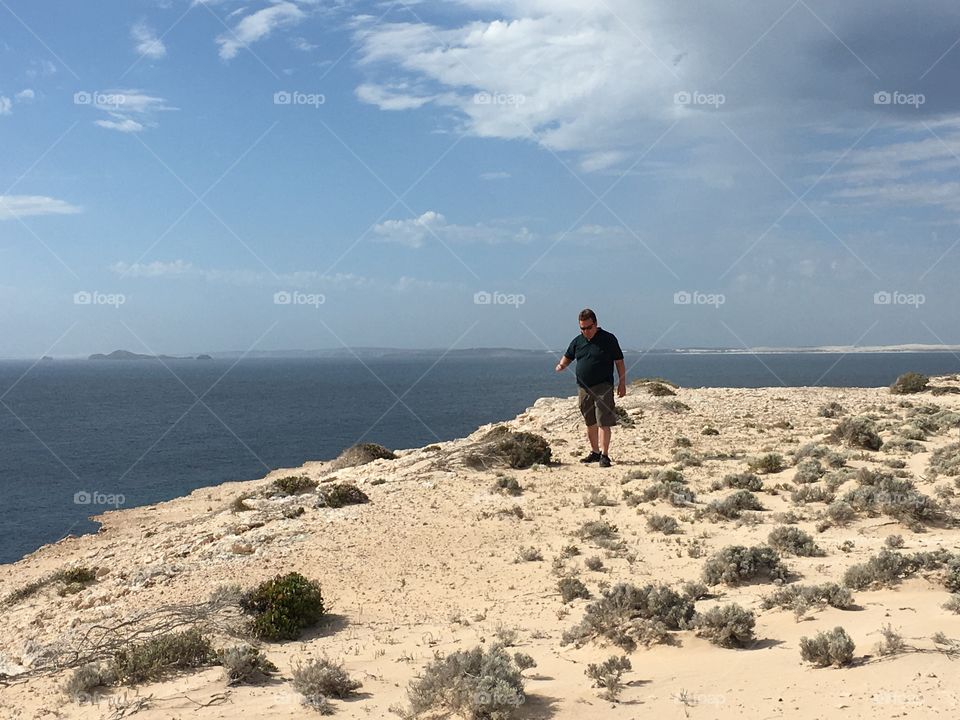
(596, 352)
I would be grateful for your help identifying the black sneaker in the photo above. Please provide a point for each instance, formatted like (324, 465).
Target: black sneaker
(604, 461)
(591, 458)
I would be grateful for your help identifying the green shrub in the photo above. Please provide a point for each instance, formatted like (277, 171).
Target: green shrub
(858, 432)
(87, 678)
(294, 485)
(828, 648)
(361, 454)
(887, 568)
(674, 406)
(597, 529)
(676, 493)
(337, 495)
(946, 460)
(658, 389)
(811, 493)
(808, 471)
(767, 464)
(908, 383)
(728, 626)
(881, 493)
(628, 615)
(623, 417)
(831, 410)
(732, 506)
(477, 684)
(571, 589)
(953, 604)
(245, 665)
(319, 680)
(709, 431)
(736, 564)
(153, 659)
(795, 541)
(283, 607)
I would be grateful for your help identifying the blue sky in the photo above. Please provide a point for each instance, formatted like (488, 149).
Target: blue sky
(187, 176)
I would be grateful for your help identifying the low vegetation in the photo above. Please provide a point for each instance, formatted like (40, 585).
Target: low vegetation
(729, 626)
(318, 680)
(828, 648)
(737, 564)
(361, 454)
(502, 446)
(909, 383)
(283, 607)
(856, 432)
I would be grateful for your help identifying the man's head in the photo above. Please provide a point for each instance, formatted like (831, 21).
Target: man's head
(588, 323)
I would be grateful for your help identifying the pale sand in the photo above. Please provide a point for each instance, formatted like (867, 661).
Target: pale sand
(401, 571)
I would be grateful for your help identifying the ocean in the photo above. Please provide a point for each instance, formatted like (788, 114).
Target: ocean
(78, 437)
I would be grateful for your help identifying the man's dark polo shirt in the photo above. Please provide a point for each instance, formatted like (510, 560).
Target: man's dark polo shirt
(595, 358)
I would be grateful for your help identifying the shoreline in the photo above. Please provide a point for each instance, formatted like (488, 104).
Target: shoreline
(431, 564)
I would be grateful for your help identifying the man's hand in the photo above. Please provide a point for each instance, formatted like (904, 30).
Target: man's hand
(560, 367)
(621, 389)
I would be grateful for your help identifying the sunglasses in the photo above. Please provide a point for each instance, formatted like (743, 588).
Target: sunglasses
(588, 327)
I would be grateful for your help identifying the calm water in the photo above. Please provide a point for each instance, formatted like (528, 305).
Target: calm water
(77, 431)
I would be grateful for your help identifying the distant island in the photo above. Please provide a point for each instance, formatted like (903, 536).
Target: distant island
(127, 355)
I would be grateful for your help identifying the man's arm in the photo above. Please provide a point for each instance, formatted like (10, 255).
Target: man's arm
(562, 365)
(622, 373)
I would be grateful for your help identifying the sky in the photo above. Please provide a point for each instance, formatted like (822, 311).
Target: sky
(186, 176)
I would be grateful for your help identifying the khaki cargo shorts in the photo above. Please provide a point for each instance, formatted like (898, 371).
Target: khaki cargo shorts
(597, 405)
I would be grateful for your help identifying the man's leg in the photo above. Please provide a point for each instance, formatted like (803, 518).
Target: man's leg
(593, 437)
(604, 439)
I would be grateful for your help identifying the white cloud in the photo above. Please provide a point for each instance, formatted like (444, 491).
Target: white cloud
(21, 206)
(6, 105)
(25, 95)
(431, 225)
(395, 97)
(257, 26)
(147, 42)
(153, 269)
(120, 124)
(129, 110)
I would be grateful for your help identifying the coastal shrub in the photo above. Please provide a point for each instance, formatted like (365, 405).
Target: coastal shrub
(523, 661)
(676, 493)
(694, 590)
(597, 497)
(239, 503)
(893, 541)
(283, 607)
(529, 554)
(153, 659)
(808, 471)
(811, 493)
(728, 626)
(506, 485)
(245, 665)
(503, 446)
(828, 648)
(320, 679)
(953, 604)
(789, 596)
(887, 568)
(597, 529)
(662, 523)
(594, 563)
(709, 431)
(623, 417)
(946, 460)
(767, 464)
(571, 589)
(892, 642)
(478, 684)
(294, 485)
(883, 494)
(944, 390)
(608, 675)
(337, 495)
(687, 458)
(858, 432)
(731, 507)
(831, 409)
(658, 389)
(736, 564)
(908, 383)
(840, 512)
(361, 454)
(912, 432)
(743, 481)
(794, 541)
(674, 406)
(627, 615)
(900, 444)
(87, 678)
